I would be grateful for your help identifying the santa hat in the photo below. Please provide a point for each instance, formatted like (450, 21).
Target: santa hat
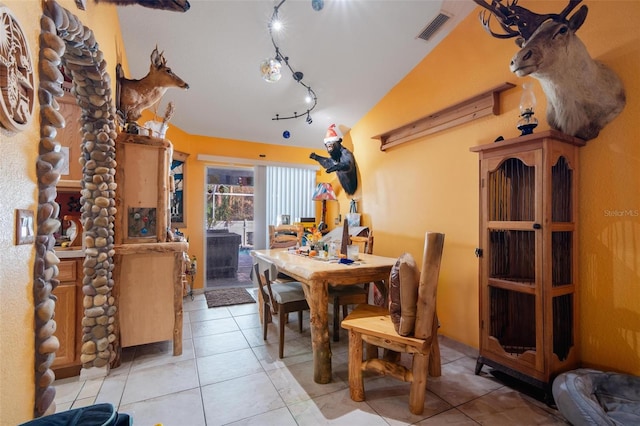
(331, 135)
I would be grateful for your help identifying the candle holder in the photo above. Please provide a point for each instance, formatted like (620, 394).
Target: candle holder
(527, 121)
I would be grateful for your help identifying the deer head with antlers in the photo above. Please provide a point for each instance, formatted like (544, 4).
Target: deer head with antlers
(134, 96)
(583, 95)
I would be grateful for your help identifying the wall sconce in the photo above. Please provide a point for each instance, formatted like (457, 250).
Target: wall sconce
(324, 192)
(270, 68)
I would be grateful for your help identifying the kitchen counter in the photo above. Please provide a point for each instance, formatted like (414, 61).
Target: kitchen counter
(69, 252)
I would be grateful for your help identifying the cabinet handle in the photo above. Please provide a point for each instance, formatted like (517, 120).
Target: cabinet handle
(537, 226)
(478, 252)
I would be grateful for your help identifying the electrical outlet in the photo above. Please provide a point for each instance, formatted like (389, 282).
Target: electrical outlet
(338, 220)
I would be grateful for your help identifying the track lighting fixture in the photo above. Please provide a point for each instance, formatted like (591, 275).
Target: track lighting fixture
(271, 67)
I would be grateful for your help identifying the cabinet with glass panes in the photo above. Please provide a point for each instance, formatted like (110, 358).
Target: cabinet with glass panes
(528, 256)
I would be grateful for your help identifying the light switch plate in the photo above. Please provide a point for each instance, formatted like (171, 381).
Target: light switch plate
(24, 227)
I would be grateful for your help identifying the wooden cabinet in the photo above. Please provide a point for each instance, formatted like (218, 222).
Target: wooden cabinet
(528, 256)
(148, 271)
(142, 198)
(68, 317)
(149, 292)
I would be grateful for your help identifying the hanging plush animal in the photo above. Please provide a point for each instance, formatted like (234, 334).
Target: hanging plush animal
(583, 95)
(341, 161)
(172, 5)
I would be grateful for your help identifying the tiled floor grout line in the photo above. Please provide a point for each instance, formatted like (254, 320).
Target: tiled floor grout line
(195, 362)
(278, 376)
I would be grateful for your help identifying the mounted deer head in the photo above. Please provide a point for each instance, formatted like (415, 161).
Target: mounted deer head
(172, 5)
(583, 95)
(134, 96)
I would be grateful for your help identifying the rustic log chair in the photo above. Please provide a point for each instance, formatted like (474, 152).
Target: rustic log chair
(373, 325)
(282, 236)
(279, 299)
(349, 294)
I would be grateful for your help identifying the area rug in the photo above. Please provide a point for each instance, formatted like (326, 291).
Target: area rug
(228, 297)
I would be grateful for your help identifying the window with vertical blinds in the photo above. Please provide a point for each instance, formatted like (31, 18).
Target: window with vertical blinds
(289, 190)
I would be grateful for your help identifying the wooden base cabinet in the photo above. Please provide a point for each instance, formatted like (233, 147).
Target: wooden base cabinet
(69, 313)
(149, 292)
(528, 256)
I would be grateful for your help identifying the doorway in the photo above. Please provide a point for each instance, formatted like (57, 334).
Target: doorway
(229, 226)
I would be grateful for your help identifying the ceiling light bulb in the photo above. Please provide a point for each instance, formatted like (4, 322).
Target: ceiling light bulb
(270, 70)
(276, 25)
(307, 99)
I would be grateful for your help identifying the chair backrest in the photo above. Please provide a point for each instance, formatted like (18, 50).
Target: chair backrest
(365, 243)
(264, 284)
(285, 235)
(426, 322)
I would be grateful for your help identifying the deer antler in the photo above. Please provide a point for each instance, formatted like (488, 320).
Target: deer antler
(500, 11)
(511, 15)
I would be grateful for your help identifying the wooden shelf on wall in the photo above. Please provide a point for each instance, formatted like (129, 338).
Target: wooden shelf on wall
(478, 106)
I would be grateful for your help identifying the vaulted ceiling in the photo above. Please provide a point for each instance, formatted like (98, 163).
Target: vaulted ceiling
(351, 52)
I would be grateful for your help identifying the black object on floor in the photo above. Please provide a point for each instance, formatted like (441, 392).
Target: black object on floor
(94, 415)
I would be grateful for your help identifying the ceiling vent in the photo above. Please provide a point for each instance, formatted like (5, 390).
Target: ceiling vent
(433, 26)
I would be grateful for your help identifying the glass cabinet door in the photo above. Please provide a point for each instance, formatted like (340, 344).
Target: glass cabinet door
(511, 256)
(562, 257)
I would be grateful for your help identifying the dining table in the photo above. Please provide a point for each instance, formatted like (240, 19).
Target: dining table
(316, 274)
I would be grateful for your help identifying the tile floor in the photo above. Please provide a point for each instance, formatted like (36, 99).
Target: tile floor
(228, 374)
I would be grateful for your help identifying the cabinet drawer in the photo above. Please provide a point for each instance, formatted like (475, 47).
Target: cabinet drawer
(67, 270)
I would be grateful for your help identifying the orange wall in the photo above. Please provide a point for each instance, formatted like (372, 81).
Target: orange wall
(195, 176)
(432, 183)
(18, 190)
(429, 184)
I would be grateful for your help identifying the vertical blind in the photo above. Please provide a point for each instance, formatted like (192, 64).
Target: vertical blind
(289, 191)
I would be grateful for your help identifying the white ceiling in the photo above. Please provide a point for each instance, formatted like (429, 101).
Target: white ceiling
(352, 52)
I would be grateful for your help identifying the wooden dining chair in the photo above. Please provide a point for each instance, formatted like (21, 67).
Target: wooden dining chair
(345, 295)
(282, 236)
(374, 326)
(279, 299)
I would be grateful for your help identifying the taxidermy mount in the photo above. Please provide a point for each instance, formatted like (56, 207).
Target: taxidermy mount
(134, 96)
(583, 95)
(341, 161)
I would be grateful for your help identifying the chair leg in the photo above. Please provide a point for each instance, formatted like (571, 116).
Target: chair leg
(371, 351)
(336, 320)
(418, 387)
(281, 319)
(345, 311)
(356, 382)
(265, 319)
(300, 321)
(435, 369)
